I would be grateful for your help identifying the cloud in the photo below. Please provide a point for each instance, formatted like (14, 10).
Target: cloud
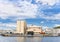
(29, 25)
(56, 25)
(21, 9)
(44, 27)
(53, 17)
(42, 22)
(50, 2)
(49, 12)
(7, 25)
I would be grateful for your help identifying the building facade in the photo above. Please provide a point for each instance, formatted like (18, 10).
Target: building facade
(21, 27)
(35, 29)
(56, 32)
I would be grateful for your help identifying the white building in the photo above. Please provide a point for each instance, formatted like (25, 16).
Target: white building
(21, 27)
(56, 32)
(48, 30)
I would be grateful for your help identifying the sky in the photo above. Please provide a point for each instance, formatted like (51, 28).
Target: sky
(45, 13)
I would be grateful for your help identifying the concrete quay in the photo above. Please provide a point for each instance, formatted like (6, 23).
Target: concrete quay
(19, 35)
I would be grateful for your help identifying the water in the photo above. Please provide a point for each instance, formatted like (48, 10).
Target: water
(29, 39)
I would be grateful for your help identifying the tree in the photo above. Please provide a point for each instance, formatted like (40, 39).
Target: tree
(58, 27)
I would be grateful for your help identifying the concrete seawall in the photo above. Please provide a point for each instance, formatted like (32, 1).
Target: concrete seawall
(19, 35)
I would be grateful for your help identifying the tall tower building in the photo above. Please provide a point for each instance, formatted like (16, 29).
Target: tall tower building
(21, 26)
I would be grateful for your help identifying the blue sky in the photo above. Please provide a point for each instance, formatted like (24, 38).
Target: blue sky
(38, 12)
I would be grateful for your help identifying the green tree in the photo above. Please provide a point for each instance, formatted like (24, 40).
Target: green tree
(58, 27)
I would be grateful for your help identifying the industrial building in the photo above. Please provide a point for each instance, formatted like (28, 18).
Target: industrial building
(35, 29)
(22, 28)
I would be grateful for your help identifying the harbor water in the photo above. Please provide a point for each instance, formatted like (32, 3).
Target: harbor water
(29, 39)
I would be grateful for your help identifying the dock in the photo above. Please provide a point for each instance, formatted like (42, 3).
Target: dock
(18, 35)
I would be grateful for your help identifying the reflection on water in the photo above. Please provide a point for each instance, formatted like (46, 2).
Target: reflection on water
(29, 39)
(51, 39)
(20, 39)
(7, 39)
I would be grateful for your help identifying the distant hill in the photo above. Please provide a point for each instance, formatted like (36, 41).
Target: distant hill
(58, 27)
